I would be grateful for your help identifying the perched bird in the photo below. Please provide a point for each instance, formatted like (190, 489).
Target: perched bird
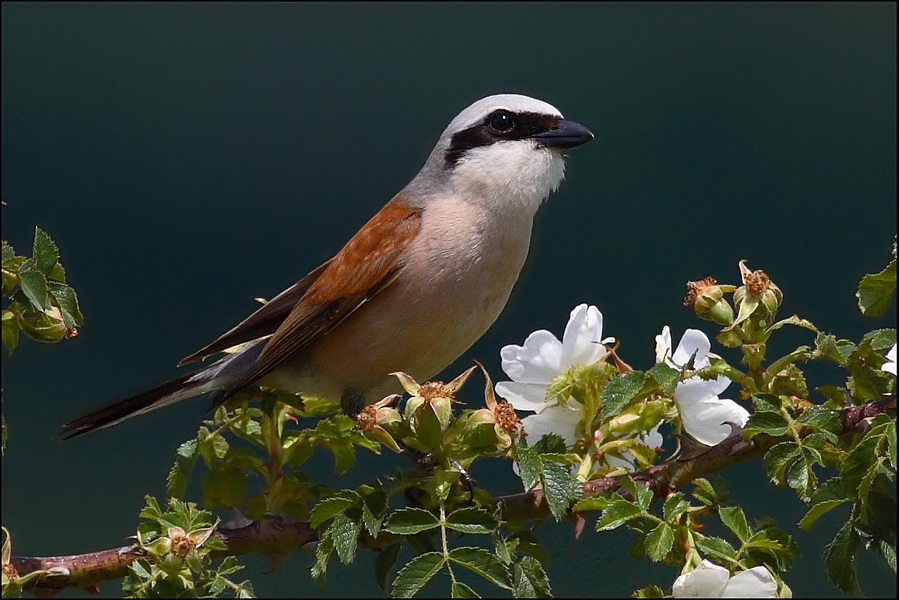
(412, 290)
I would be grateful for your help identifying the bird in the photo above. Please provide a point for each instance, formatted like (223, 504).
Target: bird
(411, 291)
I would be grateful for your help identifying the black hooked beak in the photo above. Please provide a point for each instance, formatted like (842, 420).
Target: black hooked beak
(566, 134)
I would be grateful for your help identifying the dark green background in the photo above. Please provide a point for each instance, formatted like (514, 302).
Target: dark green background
(188, 158)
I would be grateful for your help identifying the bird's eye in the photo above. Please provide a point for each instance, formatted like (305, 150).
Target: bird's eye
(502, 122)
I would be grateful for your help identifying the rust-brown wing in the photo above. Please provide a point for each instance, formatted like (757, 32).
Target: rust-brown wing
(367, 264)
(265, 321)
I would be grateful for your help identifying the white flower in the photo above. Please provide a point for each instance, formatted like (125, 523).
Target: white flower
(708, 580)
(703, 414)
(890, 365)
(543, 357)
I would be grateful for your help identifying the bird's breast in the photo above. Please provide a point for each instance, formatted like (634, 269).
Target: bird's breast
(453, 282)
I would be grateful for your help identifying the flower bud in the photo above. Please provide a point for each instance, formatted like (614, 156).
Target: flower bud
(707, 298)
(42, 327)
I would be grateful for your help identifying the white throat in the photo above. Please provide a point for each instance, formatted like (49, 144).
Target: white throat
(511, 174)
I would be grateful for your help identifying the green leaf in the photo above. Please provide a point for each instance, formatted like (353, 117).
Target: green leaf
(875, 291)
(675, 506)
(530, 467)
(560, 487)
(529, 580)
(816, 511)
(408, 521)
(734, 519)
(620, 390)
(778, 458)
(769, 422)
(179, 475)
(330, 507)
(345, 534)
(384, 564)
(617, 514)
(344, 455)
(416, 574)
(224, 486)
(826, 346)
(550, 443)
(839, 558)
(718, 548)
(67, 301)
(34, 286)
(460, 590)
(482, 562)
(822, 419)
(642, 494)
(7, 252)
(659, 541)
(373, 506)
(665, 376)
(471, 520)
(322, 554)
(45, 253)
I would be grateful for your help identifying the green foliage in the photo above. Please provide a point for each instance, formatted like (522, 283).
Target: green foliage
(36, 299)
(812, 437)
(177, 544)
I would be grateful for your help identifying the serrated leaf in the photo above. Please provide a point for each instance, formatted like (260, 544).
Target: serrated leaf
(560, 487)
(179, 475)
(820, 418)
(345, 534)
(675, 505)
(769, 422)
(778, 458)
(34, 286)
(322, 554)
(384, 564)
(839, 558)
(550, 443)
(409, 521)
(373, 506)
(330, 507)
(344, 455)
(665, 376)
(471, 520)
(224, 486)
(67, 301)
(44, 252)
(734, 519)
(659, 542)
(7, 252)
(460, 590)
(876, 290)
(718, 548)
(482, 562)
(416, 574)
(529, 580)
(816, 511)
(619, 391)
(616, 514)
(530, 467)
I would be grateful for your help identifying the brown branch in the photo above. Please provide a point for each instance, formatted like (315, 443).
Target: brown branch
(273, 535)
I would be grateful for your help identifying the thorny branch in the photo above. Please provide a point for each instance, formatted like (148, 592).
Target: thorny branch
(274, 535)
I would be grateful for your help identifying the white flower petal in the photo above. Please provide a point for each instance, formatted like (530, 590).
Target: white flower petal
(890, 365)
(663, 345)
(560, 420)
(705, 416)
(756, 582)
(523, 396)
(536, 362)
(580, 343)
(705, 581)
(692, 342)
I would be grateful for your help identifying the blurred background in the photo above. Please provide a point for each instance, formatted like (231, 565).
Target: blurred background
(187, 158)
